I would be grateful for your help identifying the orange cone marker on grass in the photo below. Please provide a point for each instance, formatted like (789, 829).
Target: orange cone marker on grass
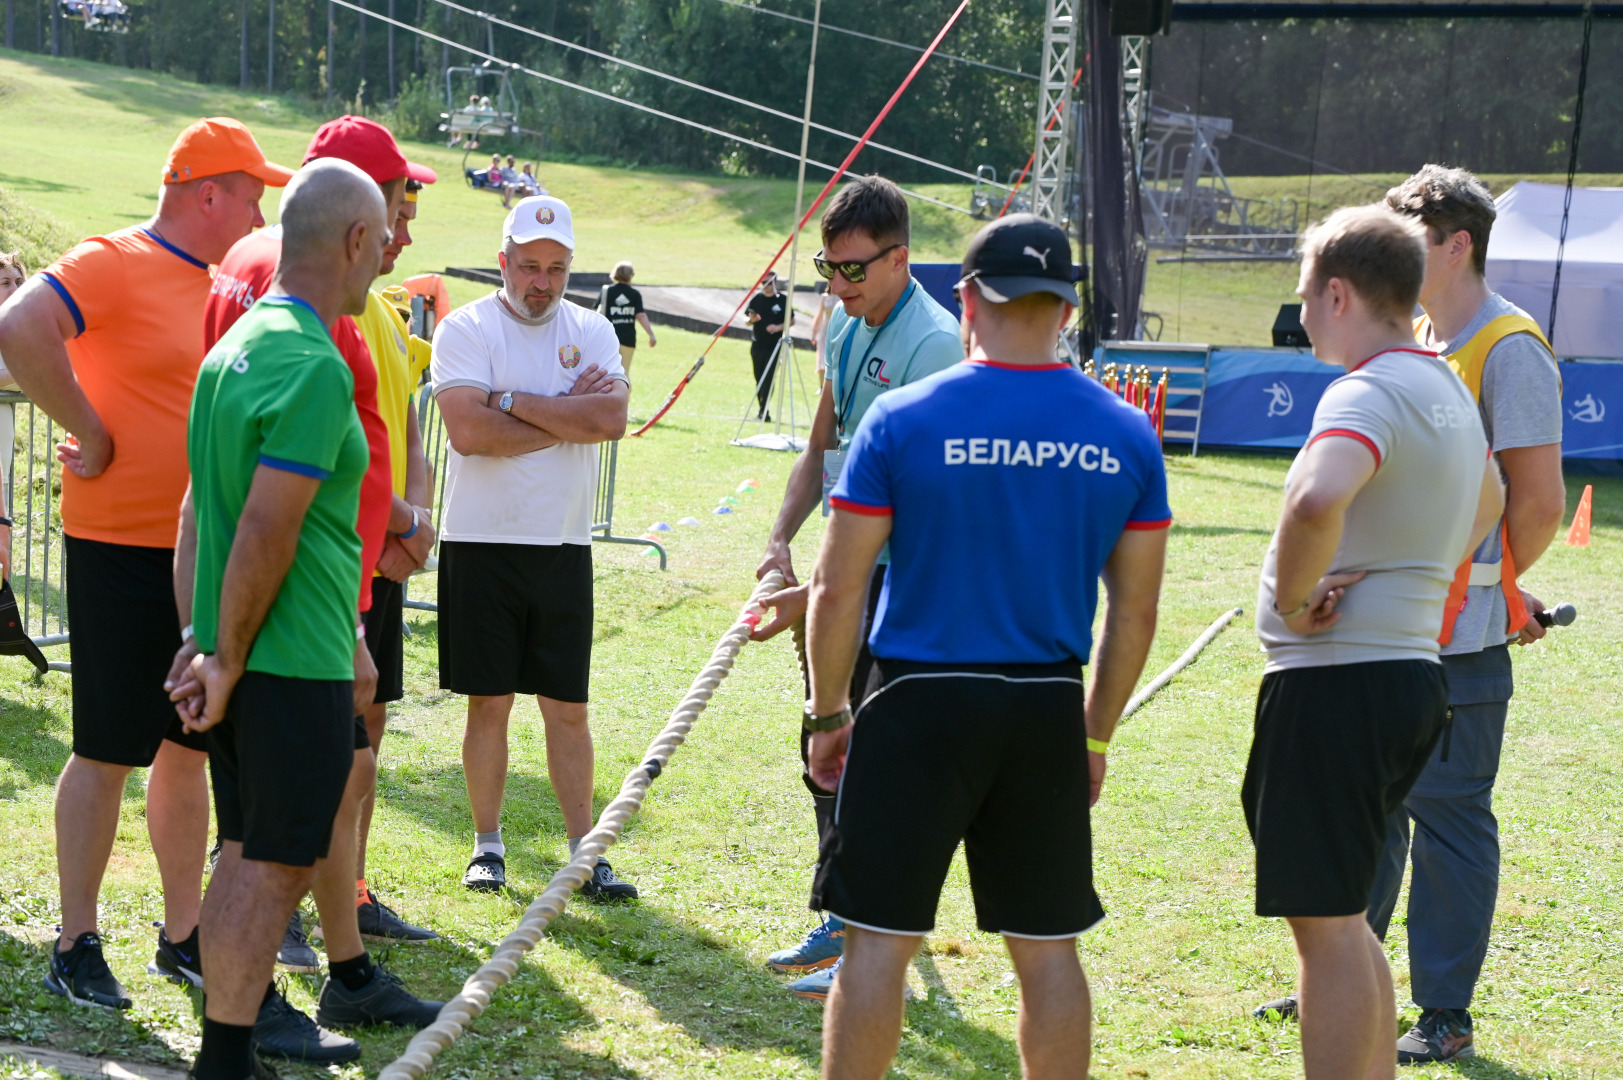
(1578, 534)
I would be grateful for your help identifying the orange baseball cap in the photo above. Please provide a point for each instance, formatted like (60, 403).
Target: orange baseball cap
(220, 145)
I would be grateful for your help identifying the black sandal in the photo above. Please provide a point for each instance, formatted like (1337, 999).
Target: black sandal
(486, 873)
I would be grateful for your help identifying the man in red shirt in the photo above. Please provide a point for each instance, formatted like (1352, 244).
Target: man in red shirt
(358, 991)
(107, 342)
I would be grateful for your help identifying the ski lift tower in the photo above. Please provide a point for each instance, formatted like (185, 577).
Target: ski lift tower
(1051, 165)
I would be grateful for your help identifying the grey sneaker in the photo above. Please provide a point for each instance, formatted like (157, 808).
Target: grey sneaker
(1282, 1009)
(282, 1031)
(384, 1000)
(296, 953)
(1438, 1037)
(82, 976)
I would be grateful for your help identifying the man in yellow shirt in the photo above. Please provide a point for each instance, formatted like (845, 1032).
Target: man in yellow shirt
(401, 360)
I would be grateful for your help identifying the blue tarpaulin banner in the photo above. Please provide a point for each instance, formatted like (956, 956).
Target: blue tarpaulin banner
(1264, 398)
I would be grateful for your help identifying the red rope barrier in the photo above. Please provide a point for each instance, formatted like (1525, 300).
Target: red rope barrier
(810, 210)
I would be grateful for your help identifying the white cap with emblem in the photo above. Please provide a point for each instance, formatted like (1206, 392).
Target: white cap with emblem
(540, 217)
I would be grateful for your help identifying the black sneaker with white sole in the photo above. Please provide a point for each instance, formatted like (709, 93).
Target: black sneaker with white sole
(604, 884)
(384, 1000)
(179, 962)
(295, 953)
(1438, 1037)
(1284, 1008)
(82, 976)
(282, 1031)
(487, 872)
(380, 923)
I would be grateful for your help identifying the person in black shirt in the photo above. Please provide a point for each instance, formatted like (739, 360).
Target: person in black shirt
(765, 315)
(623, 306)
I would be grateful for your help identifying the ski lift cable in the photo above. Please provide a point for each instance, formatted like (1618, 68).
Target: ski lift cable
(511, 66)
(882, 40)
(689, 84)
(895, 96)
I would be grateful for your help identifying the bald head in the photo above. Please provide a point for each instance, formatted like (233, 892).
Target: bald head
(320, 204)
(334, 228)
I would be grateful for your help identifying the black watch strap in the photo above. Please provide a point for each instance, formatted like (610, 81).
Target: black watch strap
(7, 522)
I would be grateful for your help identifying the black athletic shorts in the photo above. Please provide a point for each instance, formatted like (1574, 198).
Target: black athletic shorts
(1335, 751)
(386, 638)
(124, 636)
(280, 760)
(861, 671)
(516, 619)
(993, 755)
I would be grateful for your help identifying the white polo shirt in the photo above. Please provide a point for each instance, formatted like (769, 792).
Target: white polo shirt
(545, 496)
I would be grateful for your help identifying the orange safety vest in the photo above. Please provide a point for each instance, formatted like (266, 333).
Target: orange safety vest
(1467, 361)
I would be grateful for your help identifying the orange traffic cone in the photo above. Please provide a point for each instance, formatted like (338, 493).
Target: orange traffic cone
(1578, 535)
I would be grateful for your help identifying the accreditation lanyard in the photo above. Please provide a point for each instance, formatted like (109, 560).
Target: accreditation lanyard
(850, 392)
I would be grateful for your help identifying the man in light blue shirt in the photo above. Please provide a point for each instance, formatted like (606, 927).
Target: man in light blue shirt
(886, 333)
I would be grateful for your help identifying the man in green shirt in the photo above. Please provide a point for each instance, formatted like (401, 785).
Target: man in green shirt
(277, 454)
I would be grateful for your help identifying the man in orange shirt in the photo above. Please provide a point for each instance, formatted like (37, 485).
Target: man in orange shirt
(108, 341)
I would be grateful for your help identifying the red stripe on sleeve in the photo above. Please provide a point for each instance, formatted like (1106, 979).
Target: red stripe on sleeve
(1164, 523)
(1347, 433)
(860, 508)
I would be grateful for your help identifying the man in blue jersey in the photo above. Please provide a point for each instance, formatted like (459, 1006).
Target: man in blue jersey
(1005, 488)
(886, 333)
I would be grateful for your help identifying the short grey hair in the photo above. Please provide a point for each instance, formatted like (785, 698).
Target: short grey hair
(321, 202)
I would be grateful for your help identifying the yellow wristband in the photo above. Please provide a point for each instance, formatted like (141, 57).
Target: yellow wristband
(1097, 747)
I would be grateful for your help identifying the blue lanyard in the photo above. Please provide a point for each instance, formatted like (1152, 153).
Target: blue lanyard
(850, 392)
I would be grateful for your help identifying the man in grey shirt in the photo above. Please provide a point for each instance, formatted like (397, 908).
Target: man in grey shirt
(1391, 492)
(1506, 362)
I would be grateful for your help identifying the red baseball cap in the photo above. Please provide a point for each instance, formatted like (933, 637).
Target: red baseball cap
(216, 146)
(368, 146)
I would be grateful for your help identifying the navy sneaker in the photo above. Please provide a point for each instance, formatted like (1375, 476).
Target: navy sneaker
(282, 1031)
(384, 1000)
(1438, 1037)
(380, 923)
(821, 948)
(295, 953)
(1282, 1009)
(605, 885)
(487, 872)
(179, 962)
(82, 976)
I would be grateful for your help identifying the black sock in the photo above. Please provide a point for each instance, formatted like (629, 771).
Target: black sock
(354, 973)
(227, 1052)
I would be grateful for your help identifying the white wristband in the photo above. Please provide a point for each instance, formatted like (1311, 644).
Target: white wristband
(360, 633)
(186, 634)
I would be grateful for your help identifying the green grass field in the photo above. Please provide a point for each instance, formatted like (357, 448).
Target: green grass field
(676, 986)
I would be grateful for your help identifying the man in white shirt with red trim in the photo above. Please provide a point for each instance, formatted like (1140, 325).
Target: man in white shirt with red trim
(1393, 489)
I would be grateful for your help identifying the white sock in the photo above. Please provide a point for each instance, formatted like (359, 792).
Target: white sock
(489, 843)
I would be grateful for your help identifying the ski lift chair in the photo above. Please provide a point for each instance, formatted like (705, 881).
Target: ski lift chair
(106, 16)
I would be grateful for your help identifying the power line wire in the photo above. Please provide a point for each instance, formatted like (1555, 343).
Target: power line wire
(691, 85)
(706, 128)
(882, 40)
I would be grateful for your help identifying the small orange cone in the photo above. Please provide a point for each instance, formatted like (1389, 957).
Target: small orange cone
(1578, 535)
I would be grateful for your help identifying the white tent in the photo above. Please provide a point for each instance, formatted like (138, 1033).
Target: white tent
(1521, 263)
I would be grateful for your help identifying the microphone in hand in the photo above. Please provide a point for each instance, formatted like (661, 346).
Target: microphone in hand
(1560, 615)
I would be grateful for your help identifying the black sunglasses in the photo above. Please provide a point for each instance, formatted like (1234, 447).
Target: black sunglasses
(854, 272)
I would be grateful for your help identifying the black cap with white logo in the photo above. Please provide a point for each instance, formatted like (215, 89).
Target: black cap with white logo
(1019, 255)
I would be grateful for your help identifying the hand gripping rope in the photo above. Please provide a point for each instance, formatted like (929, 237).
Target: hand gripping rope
(476, 993)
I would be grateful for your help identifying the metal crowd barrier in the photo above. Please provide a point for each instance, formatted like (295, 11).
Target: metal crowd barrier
(31, 487)
(437, 447)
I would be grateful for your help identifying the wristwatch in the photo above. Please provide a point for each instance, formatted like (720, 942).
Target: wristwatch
(7, 522)
(505, 402)
(1289, 615)
(832, 722)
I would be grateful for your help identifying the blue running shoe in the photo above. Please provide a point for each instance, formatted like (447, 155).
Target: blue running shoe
(815, 987)
(821, 948)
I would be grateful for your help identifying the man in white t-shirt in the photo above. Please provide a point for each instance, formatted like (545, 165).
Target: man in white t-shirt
(528, 384)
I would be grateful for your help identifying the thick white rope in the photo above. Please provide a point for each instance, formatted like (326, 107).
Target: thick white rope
(461, 1010)
(1179, 664)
